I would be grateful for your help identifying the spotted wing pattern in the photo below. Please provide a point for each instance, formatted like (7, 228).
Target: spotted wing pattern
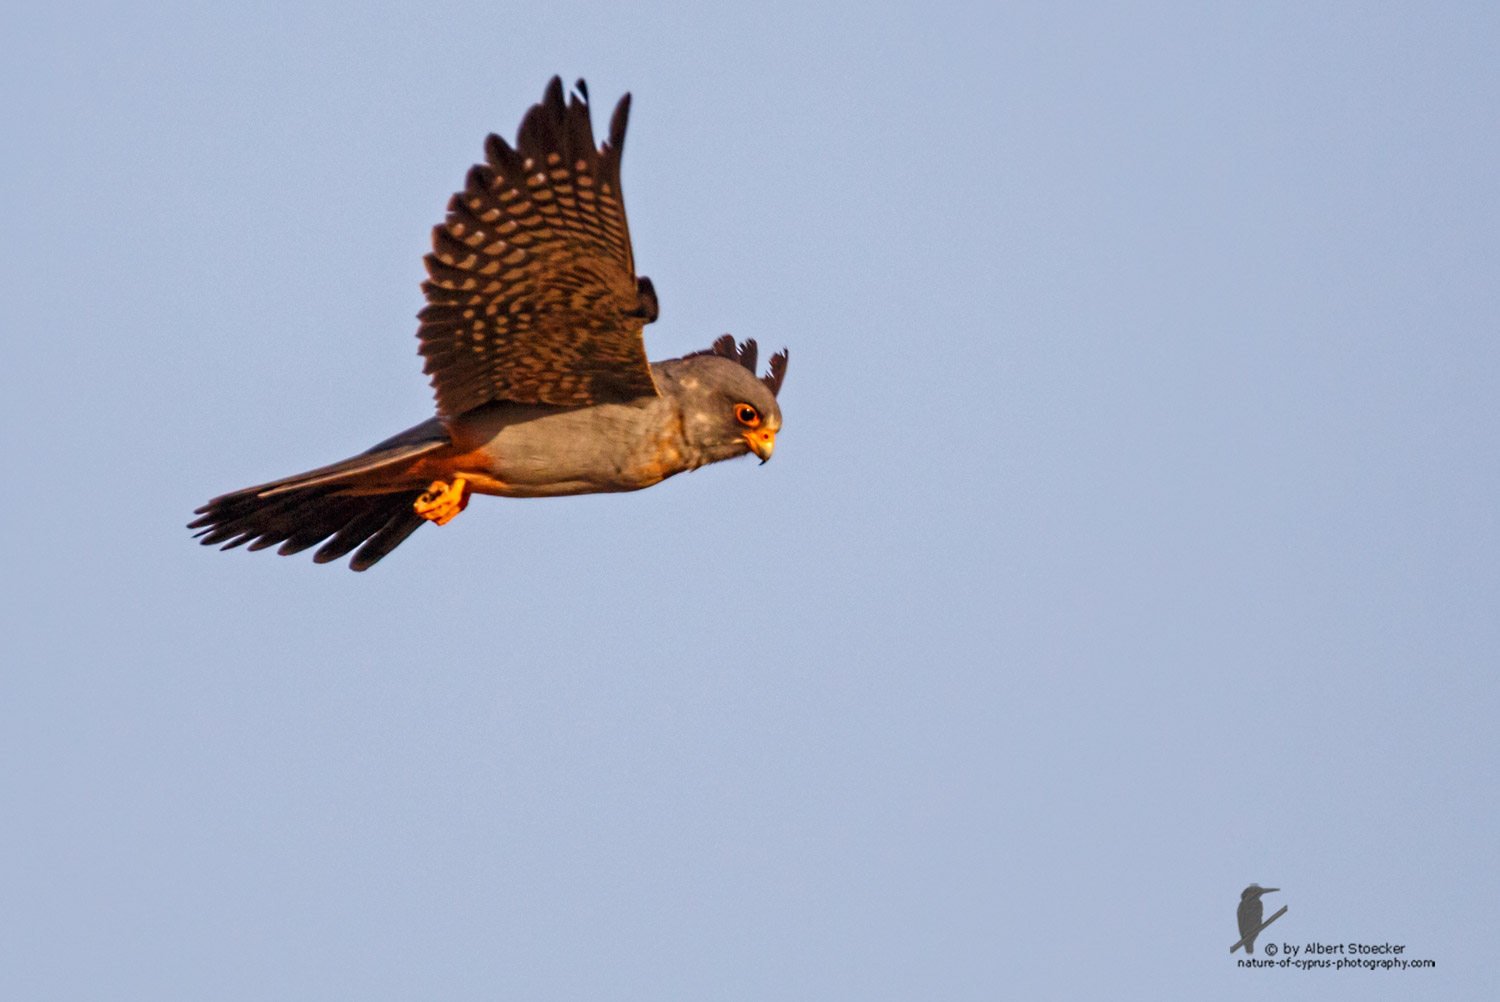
(532, 294)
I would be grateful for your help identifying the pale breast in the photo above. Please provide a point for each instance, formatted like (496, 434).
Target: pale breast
(545, 452)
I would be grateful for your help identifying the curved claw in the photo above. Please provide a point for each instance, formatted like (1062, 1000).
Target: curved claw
(443, 501)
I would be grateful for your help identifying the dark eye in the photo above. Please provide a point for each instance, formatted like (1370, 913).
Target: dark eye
(746, 415)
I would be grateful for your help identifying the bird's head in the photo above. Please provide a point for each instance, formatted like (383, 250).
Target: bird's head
(727, 410)
(1255, 891)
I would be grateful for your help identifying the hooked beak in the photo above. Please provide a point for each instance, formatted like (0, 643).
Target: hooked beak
(762, 443)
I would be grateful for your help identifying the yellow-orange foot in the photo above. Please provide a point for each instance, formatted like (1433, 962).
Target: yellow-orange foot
(443, 501)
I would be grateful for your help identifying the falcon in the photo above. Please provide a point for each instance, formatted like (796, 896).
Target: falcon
(532, 336)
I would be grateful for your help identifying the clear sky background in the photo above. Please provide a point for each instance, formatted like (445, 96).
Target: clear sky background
(1132, 535)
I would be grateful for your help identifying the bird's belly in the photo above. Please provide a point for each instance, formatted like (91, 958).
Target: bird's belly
(505, 480)
(557, 454)
(484, 483)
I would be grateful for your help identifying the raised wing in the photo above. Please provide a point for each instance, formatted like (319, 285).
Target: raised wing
(532, 294)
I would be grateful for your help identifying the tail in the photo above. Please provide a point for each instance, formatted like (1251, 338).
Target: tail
(302, 511)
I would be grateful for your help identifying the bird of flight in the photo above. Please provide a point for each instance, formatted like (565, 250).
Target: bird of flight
(532, 335)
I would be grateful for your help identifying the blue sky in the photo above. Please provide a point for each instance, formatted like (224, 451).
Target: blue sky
(1132, 535)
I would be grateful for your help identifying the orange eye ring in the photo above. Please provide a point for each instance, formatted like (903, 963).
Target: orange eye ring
(747, 415)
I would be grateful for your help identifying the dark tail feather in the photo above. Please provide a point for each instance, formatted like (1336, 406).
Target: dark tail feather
(304, 517)
(353, 533)
(303, 510)
(401, 524)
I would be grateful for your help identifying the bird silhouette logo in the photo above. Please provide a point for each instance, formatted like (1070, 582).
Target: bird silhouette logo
(1249, 915)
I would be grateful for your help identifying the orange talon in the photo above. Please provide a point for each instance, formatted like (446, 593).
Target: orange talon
(443, 501)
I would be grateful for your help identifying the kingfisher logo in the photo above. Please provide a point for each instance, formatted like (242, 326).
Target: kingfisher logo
(1249, 916)
(1352, 955)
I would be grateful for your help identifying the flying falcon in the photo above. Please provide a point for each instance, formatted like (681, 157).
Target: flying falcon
(532, 335)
